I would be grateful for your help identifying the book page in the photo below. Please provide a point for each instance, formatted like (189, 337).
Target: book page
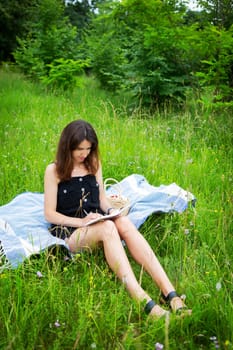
(116, 213)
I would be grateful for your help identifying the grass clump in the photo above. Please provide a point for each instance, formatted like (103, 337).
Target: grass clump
(51, 302)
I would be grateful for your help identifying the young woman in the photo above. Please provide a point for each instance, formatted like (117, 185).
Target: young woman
(74, 195)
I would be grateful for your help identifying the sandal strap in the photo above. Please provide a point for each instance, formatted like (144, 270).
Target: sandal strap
(170, 296)
(149, 306)
(181, 309)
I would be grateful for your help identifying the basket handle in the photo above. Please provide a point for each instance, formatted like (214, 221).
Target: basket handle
(111, 181)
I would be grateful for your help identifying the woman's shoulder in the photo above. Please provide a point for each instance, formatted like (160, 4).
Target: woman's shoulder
(51, 171)
(51, 168)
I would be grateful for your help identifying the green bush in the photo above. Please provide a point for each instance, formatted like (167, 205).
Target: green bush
(63, 74)
(50, 51)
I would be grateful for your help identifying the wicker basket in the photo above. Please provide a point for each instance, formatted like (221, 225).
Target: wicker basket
(117, 200)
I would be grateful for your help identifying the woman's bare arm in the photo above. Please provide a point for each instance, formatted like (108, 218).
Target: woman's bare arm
(50, 201)
(105, 205)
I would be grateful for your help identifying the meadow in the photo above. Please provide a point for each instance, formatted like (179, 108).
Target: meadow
(53, 303)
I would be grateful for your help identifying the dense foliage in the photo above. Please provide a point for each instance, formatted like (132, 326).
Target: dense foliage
(155, 51)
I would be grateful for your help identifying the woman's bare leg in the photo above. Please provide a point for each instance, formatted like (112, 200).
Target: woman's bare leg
(116, 257)
(143, 254)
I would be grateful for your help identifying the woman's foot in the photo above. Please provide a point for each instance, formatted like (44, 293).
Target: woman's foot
(177, 304)
(154, 310)
(158, 312)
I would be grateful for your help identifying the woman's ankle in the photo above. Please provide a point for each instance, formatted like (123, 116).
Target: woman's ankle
(154, 310)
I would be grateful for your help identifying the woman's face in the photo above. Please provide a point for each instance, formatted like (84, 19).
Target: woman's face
(81, 152)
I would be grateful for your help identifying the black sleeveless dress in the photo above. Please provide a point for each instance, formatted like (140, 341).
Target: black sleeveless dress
(76, 198)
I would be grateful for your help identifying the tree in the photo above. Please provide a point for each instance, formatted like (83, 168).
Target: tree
(217, 63)
(144, 47)
(14, 21)
(218, 12)
(154, 50)
(51, 46)
(79, 13)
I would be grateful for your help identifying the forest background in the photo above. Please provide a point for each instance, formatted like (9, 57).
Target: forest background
(156, 51)
(157, 78)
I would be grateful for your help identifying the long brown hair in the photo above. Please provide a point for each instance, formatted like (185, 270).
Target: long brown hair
(72, 135)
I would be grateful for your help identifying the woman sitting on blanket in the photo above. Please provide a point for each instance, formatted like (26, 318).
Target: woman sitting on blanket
(74, 195)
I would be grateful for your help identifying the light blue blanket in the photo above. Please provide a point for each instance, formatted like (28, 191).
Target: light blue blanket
(24, 230)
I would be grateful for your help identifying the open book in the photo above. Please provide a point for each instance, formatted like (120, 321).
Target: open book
(116, 213)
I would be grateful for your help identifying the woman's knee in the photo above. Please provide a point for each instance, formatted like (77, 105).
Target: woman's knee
(73, 241)
(109, 230)
(123, 221)
(92, 235)
(124, 226)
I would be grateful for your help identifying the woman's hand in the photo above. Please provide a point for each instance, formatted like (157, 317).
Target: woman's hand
(91, 216)
(113, 211)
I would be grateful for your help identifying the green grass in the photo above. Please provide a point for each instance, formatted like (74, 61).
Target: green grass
(79, 304)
